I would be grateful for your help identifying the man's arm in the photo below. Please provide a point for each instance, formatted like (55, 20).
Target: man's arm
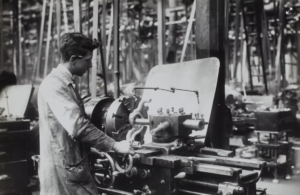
(68, 113)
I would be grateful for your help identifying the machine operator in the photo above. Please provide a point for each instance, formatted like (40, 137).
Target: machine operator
(66, 134)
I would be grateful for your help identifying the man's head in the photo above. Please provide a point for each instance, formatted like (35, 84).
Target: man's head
(77, 49)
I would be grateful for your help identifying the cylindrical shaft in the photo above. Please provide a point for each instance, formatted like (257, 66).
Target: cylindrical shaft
(141, 121)
(200, 183)
(193, 124)
(191, 192)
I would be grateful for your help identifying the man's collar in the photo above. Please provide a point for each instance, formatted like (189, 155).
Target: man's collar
(62, 69)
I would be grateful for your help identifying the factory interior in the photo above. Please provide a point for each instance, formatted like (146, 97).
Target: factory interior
(149, 97)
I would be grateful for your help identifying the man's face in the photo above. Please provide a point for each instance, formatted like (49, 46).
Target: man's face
(82, 64)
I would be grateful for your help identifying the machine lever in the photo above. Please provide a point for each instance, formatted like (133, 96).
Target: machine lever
(160, 127)
(180, 175)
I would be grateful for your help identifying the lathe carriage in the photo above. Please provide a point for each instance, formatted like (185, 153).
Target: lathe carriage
(163, 127)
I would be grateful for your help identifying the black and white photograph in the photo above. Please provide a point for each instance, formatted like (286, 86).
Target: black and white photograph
(149, 97)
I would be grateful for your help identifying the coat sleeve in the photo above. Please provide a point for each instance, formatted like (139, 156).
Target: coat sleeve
(69, 115)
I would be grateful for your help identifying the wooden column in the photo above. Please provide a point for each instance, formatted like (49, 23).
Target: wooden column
(210, 39)
(40, 48)
(116, 49)
(58, 19)
(104, 30)
(15, 36)
(77, 15)
(298, 51)
(20, 39)
(93, 73)
(48, 39)
(161, 7)
(65, 16)
(236, 34)
(171, 55)
(1, 38)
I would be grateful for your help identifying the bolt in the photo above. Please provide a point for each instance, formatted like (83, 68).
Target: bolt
(162, 182)
(168, 111)
(219, 192)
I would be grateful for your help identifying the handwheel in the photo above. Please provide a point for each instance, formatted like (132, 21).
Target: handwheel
(102, 167)
(127, 163)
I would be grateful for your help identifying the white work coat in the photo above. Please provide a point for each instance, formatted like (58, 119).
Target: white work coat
(66, 135)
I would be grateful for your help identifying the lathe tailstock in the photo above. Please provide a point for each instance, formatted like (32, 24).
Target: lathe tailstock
(170, 158)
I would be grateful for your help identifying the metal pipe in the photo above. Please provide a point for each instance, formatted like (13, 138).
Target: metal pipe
(200, 183)
(193, 124)
(141, 121)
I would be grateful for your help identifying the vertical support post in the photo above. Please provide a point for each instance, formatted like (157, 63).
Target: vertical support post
(104, 30)
(88, 2)
(188, 32)
(247, 48)
(58, 19)
(161, 7)
(261, 49)
(210, 39)
(48, 38)
(227, 46)
(111, 23)
(77, 15)
(20, 39)
(171, 54)
(298, 51)
(116, 49)
(65, 16)
(94, 59)
(40, 48)
(15, 35)
(1, 38)
(236, 34)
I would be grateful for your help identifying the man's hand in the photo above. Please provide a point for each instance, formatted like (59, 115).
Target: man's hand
(123, 147)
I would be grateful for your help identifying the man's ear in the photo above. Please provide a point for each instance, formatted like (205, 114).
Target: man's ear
(72, 59)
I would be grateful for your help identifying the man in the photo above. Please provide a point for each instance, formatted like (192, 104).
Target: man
(65, 131)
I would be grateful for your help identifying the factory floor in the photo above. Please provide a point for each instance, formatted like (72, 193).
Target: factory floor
(284, 187)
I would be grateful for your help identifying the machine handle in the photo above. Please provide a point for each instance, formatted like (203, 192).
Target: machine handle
(244, 184)
(130, 165)
(160, 127)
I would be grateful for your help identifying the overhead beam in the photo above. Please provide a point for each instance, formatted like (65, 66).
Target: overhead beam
(161, 7)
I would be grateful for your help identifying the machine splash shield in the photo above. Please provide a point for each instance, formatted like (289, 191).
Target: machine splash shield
(198, 75)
